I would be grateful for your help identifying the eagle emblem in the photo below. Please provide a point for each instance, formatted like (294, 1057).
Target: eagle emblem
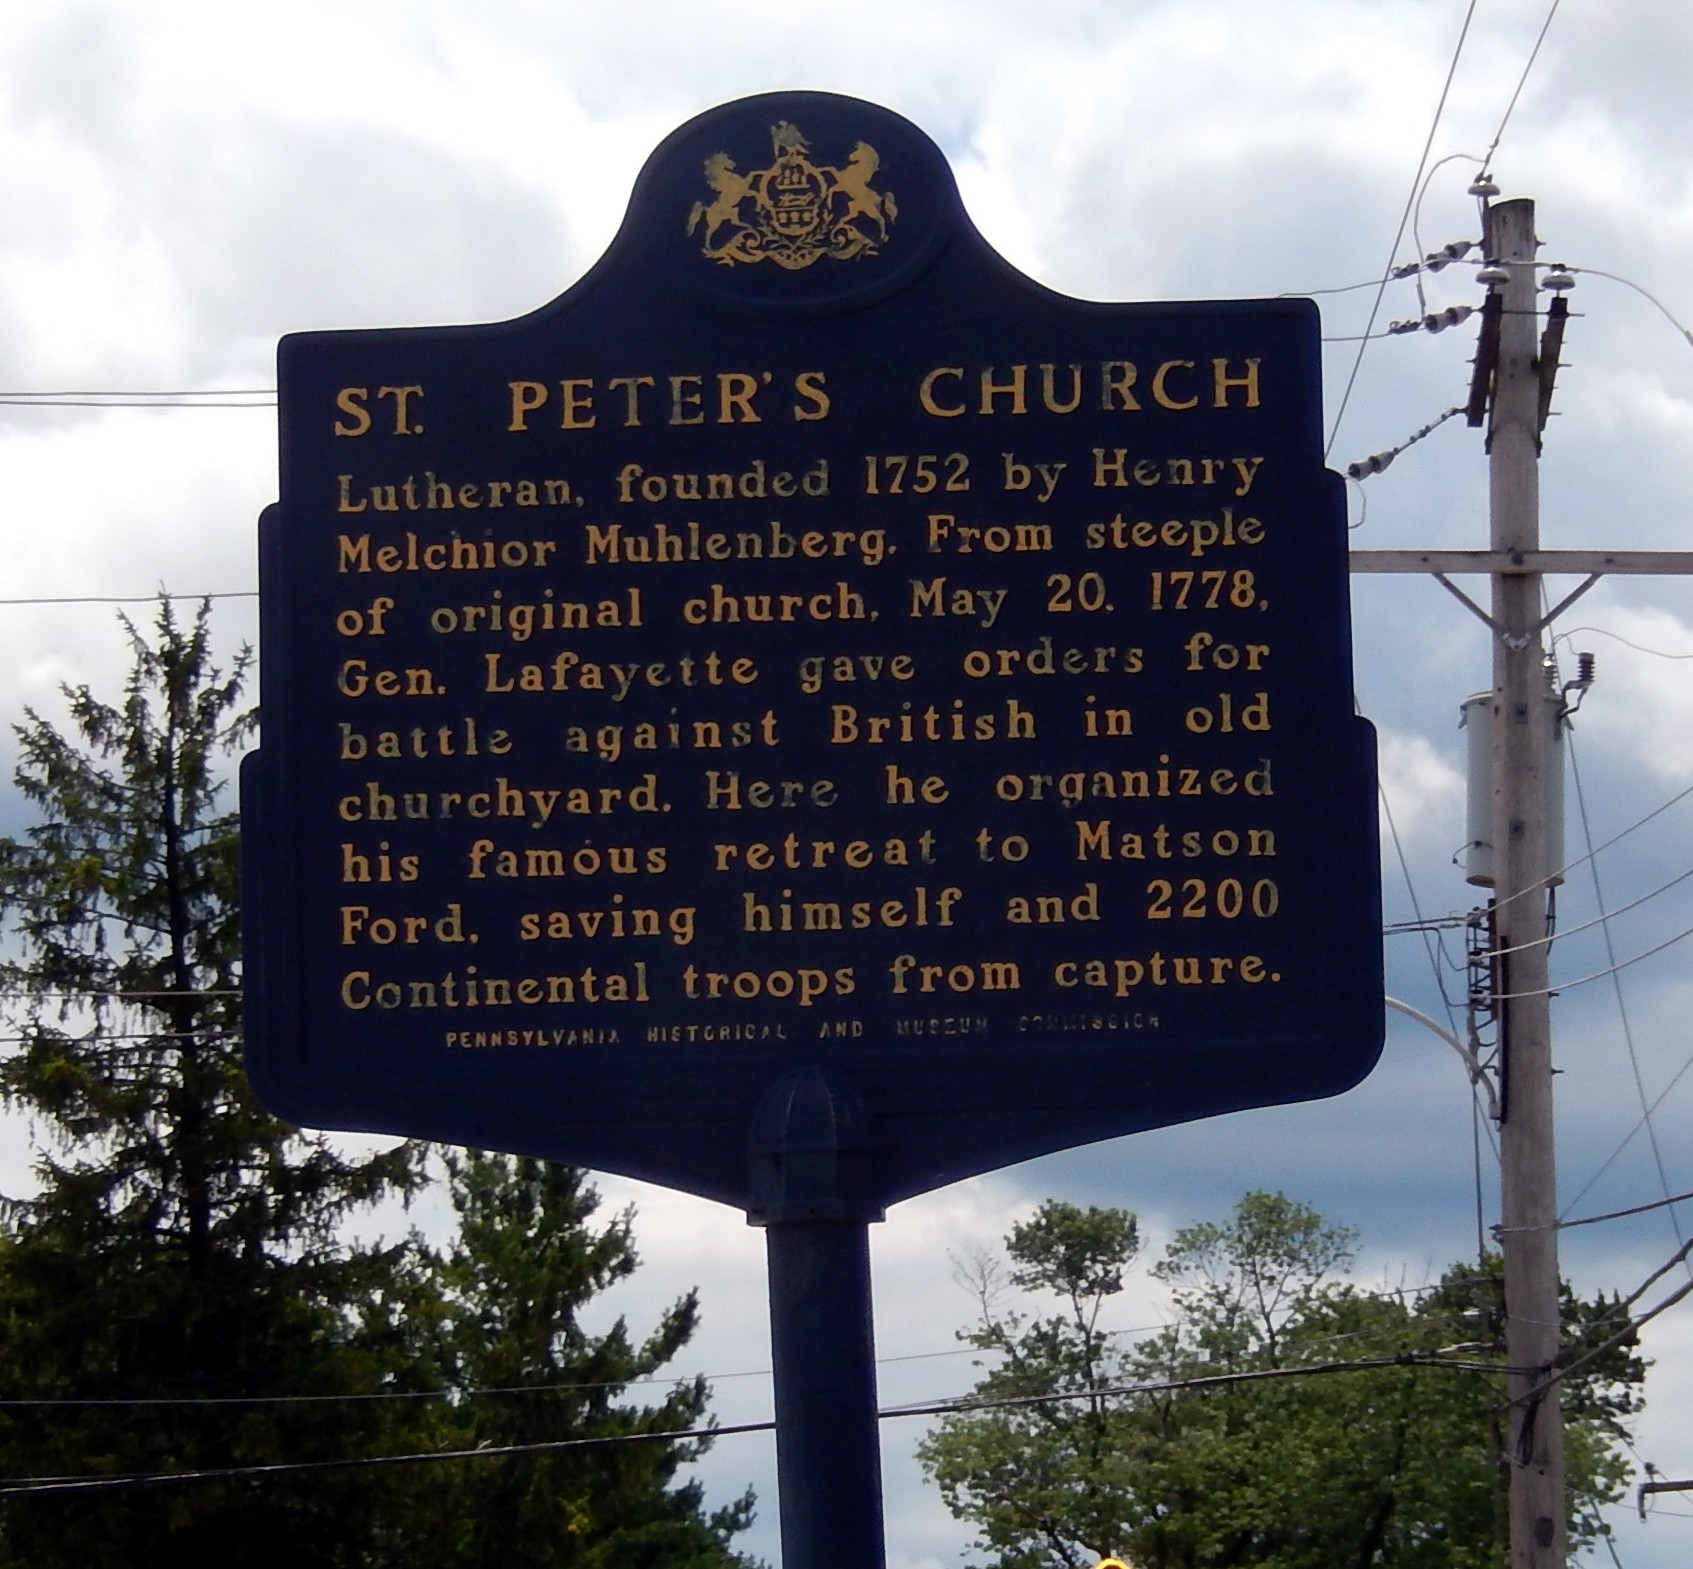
(796, 210)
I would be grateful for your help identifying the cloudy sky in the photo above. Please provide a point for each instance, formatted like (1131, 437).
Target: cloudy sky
(184, 182)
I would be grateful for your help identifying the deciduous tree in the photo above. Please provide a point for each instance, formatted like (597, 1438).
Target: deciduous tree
(1284, 1417)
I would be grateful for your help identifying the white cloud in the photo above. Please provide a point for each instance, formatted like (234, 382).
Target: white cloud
(195, 177)
(1425, 789)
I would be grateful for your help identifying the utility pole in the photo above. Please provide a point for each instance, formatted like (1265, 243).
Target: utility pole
(1512, 390)
(1525, 714)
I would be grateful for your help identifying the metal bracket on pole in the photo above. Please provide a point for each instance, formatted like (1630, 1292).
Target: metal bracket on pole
(1551, 346)
(1512, 640)
(1565, 603)
(1478, 1073)
(1465, 600)
(1658, 1487)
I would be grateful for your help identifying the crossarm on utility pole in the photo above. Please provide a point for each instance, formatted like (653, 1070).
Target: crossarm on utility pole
(1659, 1487)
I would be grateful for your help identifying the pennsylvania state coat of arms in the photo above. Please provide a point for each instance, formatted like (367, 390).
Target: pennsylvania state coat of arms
(796, 210)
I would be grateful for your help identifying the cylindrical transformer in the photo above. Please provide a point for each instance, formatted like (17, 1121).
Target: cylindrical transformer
(1475, 714)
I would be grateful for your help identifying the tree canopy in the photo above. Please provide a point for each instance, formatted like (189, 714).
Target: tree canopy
(180, 1294)
(527, 1261)
(1283, 1417)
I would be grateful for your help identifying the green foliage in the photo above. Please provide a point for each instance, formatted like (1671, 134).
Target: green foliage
(1046, 1484)
(183, 1246)
(185, 1253)
(1213, 1460)
(528, 1260)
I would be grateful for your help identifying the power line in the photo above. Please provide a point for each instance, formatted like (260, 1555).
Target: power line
(1616, 838)
(218, 398)
(1603, 919)
(1510, 108)
(95, 1036)
(1628, 1138)
(1377, 461)
(1639, 648)
(74, 403)
(128, 599)
(962, 1405)
(1399, 233)
(1631, 1326)
(1629, 283)
(1597, 975)
(1417, 219)
(1620, 1214)
(94, 995)
(119, 1402)
(180, 392)
(1622, 1001)
(297, 1467)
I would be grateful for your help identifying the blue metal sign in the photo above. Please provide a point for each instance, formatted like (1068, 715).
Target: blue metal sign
(807, 644)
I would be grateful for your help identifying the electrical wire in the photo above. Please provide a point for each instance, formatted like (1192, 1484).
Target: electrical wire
(1597, 975)
(19, 1485)
(121, 996)
(1622, 1214)
(1417, 212)
(121, 1402)
(214, 398)
(97, 1036)
(1439, 924)
(1344, 288)
(1632, 1326)
(1639, 648)
(1657, 1274)
(128, 599)
(1399, 233)
(1378, 461)
(1628, 1138)
(1510, 108)
(1616, 838)
(1629, 283)
(1622, 1001)
(960, 1405)
(1416, 907)
(965, 1405)
(108, 392)
(92, 403)
(1599, 920)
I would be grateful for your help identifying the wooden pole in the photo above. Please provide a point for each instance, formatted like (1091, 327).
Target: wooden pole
(1524, 717)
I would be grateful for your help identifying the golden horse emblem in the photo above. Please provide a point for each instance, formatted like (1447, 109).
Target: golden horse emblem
(796, 210)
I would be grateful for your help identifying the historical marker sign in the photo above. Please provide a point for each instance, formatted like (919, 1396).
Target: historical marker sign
(807, 643)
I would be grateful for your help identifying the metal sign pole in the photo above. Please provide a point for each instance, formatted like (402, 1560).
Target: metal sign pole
(828, 1454)
(811, 1177)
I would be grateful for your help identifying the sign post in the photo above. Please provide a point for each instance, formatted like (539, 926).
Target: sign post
(806, 717)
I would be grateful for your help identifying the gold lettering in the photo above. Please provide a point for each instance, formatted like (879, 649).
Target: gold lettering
(926, 392)
(352, 401)
(1160, 393)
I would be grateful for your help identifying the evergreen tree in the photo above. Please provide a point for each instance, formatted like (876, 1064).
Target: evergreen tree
(183, 1248)
(179, 1295)
(1352, 1467)
(527, 1261)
